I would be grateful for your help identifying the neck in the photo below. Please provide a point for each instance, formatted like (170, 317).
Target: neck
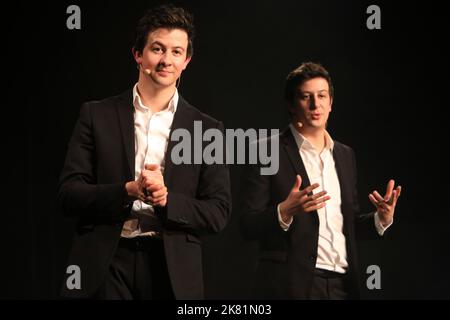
(155, 98)
(314, 135)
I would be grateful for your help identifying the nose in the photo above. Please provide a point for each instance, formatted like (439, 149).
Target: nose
(165, 59)
(312, 103)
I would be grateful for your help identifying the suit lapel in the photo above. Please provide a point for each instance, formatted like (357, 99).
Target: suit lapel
(125, 110)
(343, 176)
(181, 119)
(293, 153)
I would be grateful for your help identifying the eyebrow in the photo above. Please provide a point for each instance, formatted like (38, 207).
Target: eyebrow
(162, 45)
(323, 90)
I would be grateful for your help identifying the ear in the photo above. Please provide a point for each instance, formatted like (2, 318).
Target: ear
(136, 55)
(331, 104)
(186, 62)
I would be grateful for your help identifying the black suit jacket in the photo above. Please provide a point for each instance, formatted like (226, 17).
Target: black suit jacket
(287, 259)
(101, 159)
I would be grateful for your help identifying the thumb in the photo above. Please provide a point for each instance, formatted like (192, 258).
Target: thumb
(297, 184)
(151, 167)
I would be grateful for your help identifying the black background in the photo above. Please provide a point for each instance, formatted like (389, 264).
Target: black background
(391, 96)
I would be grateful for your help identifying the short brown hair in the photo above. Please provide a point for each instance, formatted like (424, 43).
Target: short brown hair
(165, 16)
(306, 71)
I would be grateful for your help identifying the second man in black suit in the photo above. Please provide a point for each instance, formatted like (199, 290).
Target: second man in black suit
(306, 217)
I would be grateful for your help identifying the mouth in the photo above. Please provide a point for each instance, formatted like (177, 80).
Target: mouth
(316, 116)
(163, 73)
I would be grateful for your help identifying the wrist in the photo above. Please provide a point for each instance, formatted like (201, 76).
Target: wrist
(129, 190)
(383, 220)
(283, 214)
(127, 200)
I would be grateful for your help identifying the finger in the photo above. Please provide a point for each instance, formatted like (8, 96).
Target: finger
(318, 195)
(399, 191)
(141, 196)
(151, 187)
(313, 200)
(151, 174)
(154, 177)
(297, 184)
(379, 204)
(160, 193)
(315, 207)
(161, 203)
(151, 167)
(141, 182)
(373, 200)
(384, 207)
(158, 199)
(394, 198)
(316, 202)
(396, 194)
(389, 188)
(155, 201)
(147, 175)
(152, 200)
(153, 180)
(309, 189)
(377, 196)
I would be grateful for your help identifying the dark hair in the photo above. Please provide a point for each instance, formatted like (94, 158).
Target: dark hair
(306, 71)
(165, 16)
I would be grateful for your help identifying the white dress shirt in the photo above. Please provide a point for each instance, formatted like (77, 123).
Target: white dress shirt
(151, 132)
(321, 169)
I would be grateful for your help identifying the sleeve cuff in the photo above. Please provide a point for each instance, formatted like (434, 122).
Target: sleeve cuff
(380, 228)
(285, 226)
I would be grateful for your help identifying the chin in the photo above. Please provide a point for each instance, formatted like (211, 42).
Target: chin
(317, 126)
(165, 83)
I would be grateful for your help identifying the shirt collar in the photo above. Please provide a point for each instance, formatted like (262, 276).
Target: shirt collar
(303, 142)
(137, 101)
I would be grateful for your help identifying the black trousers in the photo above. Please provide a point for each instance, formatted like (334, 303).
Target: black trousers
(138, 271)
(328, 285)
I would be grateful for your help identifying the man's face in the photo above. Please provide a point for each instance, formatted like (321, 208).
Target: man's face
(164, 55)
(312, 103)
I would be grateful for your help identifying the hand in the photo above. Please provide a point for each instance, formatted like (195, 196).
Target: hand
(134, 191)
(300, 202)
(386, 205)
(152, 184)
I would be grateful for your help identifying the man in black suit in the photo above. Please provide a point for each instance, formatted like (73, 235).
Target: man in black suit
(306, 216)
(140, 214)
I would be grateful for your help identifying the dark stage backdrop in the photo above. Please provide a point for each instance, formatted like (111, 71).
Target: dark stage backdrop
(390, 105)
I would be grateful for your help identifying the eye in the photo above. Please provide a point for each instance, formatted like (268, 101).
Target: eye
(304, 96)
(177, 52)
(156, 49)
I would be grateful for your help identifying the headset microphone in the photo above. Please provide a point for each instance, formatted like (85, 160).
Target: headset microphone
(146, 71)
